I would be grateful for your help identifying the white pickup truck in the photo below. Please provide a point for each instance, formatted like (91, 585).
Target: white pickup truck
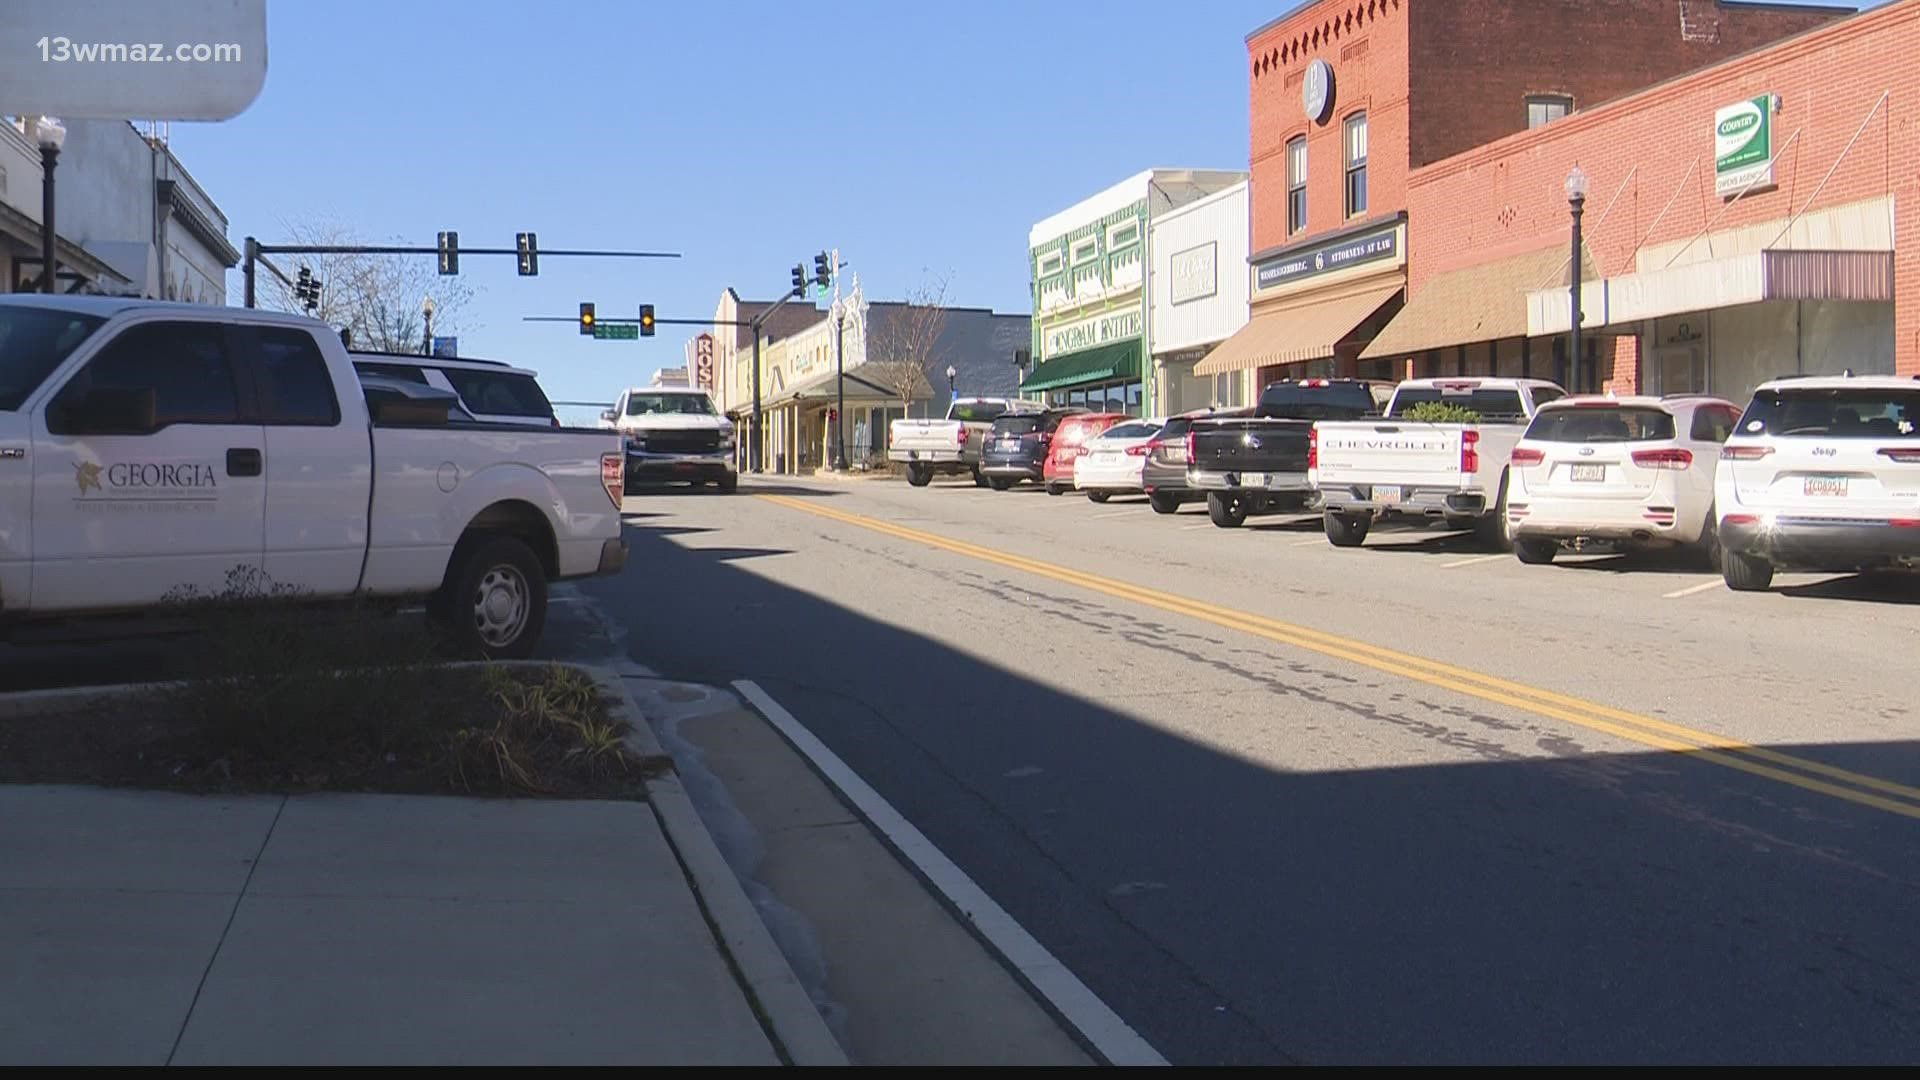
(674, 433)
(147, 447)
(953, 445)
(1366, 469)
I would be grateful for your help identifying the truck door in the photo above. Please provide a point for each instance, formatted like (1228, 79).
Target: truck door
(145, 476)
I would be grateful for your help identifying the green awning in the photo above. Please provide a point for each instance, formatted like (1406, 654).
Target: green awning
(1120, 360)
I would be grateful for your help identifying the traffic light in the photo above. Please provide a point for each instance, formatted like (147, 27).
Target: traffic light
(529, 254)
(822, 270)
(646, 320)
(799, 280)
(449, 252)
(307, 290)
(586, 319)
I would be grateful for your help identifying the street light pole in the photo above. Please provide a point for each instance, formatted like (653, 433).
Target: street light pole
(52, 135)
(1577, 203)
(839, 391)
(426, 314)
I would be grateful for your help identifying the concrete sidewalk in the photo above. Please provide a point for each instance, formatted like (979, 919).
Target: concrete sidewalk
(146, 928)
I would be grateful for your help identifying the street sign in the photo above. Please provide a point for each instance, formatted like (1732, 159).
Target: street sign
(446, 346)
(616, 332)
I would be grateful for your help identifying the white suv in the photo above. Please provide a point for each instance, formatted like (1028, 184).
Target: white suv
(494, 392)
(1636, 471)
(1821, 474)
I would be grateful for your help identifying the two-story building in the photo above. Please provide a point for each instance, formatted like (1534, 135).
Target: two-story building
(1198, 288)
(1348, 97)
(1090, 342)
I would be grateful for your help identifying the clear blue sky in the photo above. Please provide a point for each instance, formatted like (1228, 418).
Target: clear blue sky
(922, 139)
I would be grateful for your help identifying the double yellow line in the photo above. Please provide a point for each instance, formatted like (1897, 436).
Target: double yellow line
(1799, 772)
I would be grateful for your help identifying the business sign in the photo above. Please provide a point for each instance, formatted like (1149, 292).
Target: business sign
(1316, 91)
(123, 59)
(1099, 330)
(1743, 146)
(1339, 255)
(703, 361)
(1196, 273)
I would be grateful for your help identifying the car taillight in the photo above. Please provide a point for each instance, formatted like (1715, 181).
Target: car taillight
(1740, 519)
(963, 435)
(1901, 454)
(1745, 453)
(1141, 450)
(1674, 458)
(613, 476)
(1190, 441)
(1469, 451)
(1313, 448)
(1527, 455)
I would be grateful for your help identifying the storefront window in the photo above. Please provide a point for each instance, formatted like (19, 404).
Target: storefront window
(1135, 398)
(1227, 389)
(1357, 165)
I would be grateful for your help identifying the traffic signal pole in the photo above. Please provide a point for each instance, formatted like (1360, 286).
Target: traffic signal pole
(254, 250)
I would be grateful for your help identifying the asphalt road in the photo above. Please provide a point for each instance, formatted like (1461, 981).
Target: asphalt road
(1277, 802)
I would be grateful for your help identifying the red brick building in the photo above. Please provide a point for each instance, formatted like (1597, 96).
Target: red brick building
(1702, 271)
(1348, 97)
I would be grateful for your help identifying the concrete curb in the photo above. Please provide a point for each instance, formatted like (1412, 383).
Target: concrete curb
(873, 476)
(782, 1002)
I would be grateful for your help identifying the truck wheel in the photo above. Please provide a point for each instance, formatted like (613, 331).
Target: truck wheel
(1535, 551)
(1227, 511)
(1000, 483)
(1345, 530)
(496, 602)
(919, 475)
(728, 482)
(1099, 496)
(1164, 503)
(1744, 573)
(1492, 526)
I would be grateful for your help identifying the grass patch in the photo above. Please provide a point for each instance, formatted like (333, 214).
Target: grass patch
(286, 696)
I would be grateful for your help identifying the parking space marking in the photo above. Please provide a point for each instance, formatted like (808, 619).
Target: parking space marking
(1319, 541)
(1210, 525)
(1475, 561)
(1691, 589)
(1807, 774)
(1132, 512)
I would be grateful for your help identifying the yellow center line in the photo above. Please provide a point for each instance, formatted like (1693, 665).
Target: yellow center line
(1649, 731)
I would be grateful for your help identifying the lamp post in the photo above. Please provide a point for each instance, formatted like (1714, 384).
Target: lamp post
(950, 374)
(52, 135)
(839, 389)
(426, 314)
(1577, 203)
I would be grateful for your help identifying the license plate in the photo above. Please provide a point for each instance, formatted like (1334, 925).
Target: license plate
(1590, 473)
(1010, 445)
(1386, 496)
(1828, 486)
(1106, 457)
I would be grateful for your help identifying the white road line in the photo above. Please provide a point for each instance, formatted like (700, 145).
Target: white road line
(1135, 511)
(1689, 591)
(1473, 561)
(1319, 541)
(1211, 525)
(1097, 1023)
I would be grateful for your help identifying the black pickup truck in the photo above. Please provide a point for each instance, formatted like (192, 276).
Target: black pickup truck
(1258, 464)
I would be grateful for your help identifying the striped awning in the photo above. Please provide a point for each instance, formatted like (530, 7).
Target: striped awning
(1296, 334)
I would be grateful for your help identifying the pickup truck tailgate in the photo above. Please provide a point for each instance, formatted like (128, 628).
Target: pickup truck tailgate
(1259, 446)
(925, 435)
(1389, 452)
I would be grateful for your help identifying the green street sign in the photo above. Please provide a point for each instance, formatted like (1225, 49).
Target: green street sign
(616, 332)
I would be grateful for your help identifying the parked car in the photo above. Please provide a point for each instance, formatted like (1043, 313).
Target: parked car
(491, 390)
(1629, 471)
(1822, 474)
(1064, 452)
(1017, 445)
(1368, 469)
(674, 434)
(1111, 463)
(1165, 474)
(954, 445)
(162, 446)
(1257, 464)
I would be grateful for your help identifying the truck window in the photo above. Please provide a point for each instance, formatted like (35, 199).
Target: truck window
(33, 341)
(498, 394)
(1837, 413)
(1332, 401)
(184, 364)
(1493, 405)
(295, 387)
(973, 412)
(670, 405)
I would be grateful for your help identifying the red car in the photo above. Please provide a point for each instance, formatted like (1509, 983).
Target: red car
(1057, 474)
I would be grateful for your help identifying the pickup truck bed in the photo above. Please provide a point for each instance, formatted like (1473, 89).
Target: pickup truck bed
(1258, 464)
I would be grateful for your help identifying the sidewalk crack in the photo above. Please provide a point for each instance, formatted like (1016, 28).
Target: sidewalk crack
(232, 913)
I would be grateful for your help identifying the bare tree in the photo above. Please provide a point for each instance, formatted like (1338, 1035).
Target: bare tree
(907, 342)
(377, 298)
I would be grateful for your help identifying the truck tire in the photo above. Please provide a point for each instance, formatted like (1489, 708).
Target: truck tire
(1744, 573)
(1492, 526)
(496, 600)
(728, 483)
(1000, 483)
(1227, 511)
(1345, 530)
(1164, 503)
(919, 475)
(1535, 551)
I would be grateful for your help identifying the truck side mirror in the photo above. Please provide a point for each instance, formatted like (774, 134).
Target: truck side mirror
(609, 415)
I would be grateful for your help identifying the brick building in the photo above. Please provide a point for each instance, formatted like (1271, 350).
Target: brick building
(1348, 97)
(1705, 268)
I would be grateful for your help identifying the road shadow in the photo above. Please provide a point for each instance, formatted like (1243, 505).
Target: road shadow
(1875, 588)
(1586, 905)
(1649, 561)
(681, 530)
